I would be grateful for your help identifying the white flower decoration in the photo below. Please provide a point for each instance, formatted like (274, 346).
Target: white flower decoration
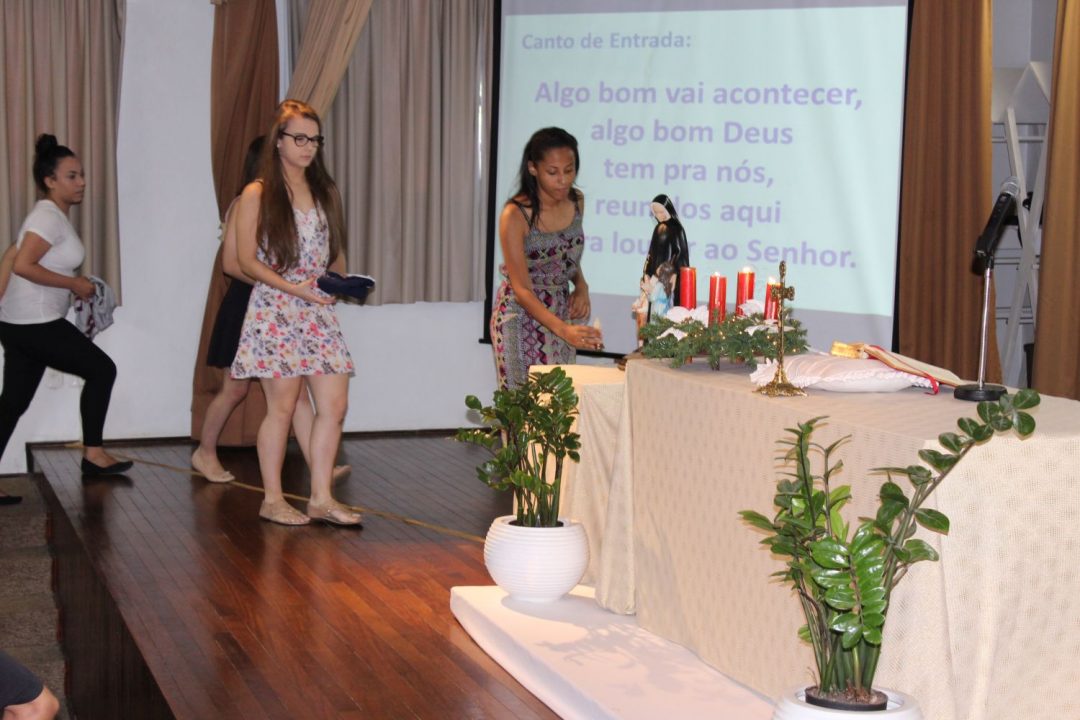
(679, 314)
(752, 306)
(678, 334)
(771, 326)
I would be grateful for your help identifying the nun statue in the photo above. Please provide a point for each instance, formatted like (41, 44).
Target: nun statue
(668, 252)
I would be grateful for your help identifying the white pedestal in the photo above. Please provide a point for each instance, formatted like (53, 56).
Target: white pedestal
(585, 662)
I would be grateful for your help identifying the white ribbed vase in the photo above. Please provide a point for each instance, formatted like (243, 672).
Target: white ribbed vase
(793, 706)
(536, 564)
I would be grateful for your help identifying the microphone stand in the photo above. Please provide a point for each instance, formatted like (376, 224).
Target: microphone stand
(982, 391)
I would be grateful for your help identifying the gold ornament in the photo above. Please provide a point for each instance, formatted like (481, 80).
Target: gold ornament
(779, 385)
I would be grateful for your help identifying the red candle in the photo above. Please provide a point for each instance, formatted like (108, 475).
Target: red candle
(688, 287)
(744, 289)
(717, 298)
(772, 303)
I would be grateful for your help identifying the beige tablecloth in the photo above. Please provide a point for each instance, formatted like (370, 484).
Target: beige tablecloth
(989, 632)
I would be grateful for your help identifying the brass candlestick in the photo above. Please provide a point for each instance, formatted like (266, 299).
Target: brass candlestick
(779, 385)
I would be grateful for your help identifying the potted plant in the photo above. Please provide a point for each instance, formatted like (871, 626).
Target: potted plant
(844, 575)
(533, 555)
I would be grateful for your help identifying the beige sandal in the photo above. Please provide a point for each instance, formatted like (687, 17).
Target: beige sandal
(334, 513)
(282, 513)
(223, 477)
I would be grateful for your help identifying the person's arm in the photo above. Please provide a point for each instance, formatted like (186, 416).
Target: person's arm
(338, 265)
(512, 232)
(247, 222)
(230, 261)
(28, 266)
(7, 262)
(580, 305)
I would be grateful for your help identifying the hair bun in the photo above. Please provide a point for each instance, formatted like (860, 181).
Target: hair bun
(45, 143)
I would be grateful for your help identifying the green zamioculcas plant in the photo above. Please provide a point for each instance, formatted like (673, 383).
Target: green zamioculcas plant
(844, 580)
(528, 430)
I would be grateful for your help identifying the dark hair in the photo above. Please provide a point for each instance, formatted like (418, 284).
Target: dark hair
(251, 162)
(664, 200)
(276, 231)
(47, 155)
(542, 142)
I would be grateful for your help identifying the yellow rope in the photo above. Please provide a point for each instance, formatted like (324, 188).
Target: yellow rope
(254, 488)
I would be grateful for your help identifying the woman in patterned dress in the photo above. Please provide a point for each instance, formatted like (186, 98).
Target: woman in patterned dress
(542, 241)
(290, 230)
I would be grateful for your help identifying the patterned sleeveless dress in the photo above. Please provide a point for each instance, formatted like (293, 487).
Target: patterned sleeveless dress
(285, 336)
(552, 258)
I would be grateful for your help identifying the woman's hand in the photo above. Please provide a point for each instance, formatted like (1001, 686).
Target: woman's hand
(83, 287)
(580, 307)
(308, 291)
(583, 337)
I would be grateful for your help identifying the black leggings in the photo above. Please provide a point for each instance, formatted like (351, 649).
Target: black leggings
(29, 349)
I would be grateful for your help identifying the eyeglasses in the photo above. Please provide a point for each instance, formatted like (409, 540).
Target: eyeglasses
(301, 140)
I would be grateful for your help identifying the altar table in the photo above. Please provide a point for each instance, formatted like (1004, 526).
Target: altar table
(990, 632)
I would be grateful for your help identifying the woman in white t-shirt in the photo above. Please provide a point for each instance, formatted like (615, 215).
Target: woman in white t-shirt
(33, 329)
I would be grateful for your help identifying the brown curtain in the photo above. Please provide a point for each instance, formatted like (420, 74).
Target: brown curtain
(243, 95)
(62, 62)
(946, 191)
(330, 31)
(1057, 333)
(401, 143)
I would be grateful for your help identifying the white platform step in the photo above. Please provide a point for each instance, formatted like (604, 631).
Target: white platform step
(584, 662)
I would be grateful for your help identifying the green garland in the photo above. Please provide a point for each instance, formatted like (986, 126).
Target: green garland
(727, 339)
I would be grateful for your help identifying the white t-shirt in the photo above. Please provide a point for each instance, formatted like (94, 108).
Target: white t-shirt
(27, 303)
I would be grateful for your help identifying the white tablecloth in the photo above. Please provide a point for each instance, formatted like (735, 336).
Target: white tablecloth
(989, 632)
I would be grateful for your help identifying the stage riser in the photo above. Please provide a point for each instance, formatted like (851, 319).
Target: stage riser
(107, 677)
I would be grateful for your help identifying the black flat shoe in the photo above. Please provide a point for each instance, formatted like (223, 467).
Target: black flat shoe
(89, 468)
(10, 499)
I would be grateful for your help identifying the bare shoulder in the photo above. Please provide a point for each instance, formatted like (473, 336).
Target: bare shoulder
(514, 216)
(251, 194)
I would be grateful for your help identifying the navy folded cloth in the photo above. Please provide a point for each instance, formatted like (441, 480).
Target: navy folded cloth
(354, 286)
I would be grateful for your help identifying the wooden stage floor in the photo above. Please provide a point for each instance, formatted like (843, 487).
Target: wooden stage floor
(176, 600)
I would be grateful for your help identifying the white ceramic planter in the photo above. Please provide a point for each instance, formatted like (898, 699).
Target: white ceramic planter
(793, 706)
(536, 564)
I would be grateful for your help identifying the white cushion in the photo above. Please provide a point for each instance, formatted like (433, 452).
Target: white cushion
(827, 372)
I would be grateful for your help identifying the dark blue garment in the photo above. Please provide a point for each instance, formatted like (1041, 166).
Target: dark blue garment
(353, 286)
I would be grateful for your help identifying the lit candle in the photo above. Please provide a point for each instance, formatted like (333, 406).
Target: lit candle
(772, 303)
(717, 298)
(744, 289)
(688, 287)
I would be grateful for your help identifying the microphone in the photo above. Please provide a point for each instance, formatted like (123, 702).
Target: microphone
(1004, 209)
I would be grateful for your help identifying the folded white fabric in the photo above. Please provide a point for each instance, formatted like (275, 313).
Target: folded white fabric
(838, 374)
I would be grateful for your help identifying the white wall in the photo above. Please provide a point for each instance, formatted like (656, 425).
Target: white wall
(415, 363)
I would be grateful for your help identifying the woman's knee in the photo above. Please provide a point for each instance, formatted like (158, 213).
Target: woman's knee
(14, 401)
(43, 707)
(235, 390)
(334, 409)
(102, 372)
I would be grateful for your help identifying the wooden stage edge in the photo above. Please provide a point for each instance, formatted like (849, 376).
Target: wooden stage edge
(177, 601)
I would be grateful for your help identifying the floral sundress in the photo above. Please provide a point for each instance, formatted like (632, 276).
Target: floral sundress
(518, 339)
(285, 336)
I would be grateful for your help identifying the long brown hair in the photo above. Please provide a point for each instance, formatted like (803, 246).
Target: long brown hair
(277, 225)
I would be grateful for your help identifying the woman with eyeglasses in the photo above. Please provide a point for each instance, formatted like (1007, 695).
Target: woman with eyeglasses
(290, 230)
(224, 340)
(33, 326)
